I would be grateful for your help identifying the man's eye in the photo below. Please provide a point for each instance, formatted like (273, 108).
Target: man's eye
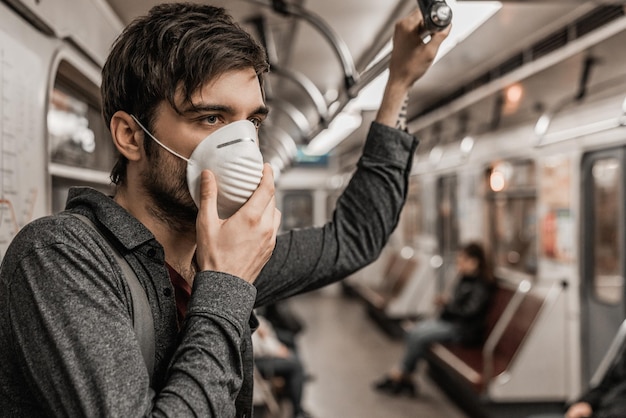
(212, 119)
(256, 122)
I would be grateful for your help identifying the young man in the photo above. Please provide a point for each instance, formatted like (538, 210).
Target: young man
(67, 343)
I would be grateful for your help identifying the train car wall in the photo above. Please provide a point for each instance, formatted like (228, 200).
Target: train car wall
(36, 40)
(25, 58)
(91, 25)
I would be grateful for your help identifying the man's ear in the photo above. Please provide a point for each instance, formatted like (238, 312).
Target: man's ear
(127, 135)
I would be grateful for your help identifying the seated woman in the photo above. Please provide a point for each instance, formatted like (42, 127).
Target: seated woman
(462, 319)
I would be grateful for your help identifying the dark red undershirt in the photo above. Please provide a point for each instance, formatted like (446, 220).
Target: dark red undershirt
(182, 293)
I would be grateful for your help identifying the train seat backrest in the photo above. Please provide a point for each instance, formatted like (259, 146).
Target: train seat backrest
(500, 299)
(394, 263)
(516, 331)
(397, 274)
(469, 362)
(404, 276)
(473, 356)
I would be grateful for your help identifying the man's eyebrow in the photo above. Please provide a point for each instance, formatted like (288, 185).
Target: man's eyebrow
(261, 110)
(199, 108)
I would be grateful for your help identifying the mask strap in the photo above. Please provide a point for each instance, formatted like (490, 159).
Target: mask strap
(157, 141)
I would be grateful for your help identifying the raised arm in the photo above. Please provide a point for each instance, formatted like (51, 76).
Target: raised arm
(410, 59)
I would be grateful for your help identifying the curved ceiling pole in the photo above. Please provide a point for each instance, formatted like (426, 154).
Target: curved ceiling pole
(339, 46)
(370, 74)
(278, 147)
(297, 117)
(309, 87)
(280, 142)
(272, 155)
(297, 77)
(353, 81)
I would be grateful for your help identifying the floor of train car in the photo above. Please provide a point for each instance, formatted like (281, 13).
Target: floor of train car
(345, 352)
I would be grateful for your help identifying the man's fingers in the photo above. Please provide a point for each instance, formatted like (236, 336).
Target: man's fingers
(208, 194)
(413, 20)
(438, 37)
(264, 194)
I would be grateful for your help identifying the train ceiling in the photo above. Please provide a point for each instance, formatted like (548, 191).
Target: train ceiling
(320, 51)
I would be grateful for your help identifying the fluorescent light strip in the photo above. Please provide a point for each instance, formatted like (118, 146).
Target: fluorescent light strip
(467, 17)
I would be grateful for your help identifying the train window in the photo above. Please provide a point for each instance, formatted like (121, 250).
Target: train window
(608, 283)
(511, 205)
(78, 136)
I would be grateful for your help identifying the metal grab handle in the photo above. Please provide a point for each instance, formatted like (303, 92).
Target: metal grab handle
(339, 46)
(437, 16)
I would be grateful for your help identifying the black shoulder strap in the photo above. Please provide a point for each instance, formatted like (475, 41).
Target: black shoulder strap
(143, 322)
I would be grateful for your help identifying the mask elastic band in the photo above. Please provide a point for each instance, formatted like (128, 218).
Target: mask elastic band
(157, 141)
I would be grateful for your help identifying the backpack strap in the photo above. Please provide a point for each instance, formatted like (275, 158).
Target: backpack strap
(143, 322)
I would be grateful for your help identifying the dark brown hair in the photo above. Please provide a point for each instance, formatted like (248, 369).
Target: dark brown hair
(175, 47)
(476, 251)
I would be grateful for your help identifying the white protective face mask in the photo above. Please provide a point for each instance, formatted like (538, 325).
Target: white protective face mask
(232, 153)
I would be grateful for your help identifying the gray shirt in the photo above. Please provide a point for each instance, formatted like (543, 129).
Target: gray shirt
(67, 344)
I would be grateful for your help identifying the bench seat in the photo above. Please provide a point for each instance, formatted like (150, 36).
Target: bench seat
(511, 315)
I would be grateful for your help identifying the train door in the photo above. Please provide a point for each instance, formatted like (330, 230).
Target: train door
(602, 283)
(512, 218)
(447, 228)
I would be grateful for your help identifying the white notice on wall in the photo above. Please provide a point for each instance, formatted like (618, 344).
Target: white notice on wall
(22, 146)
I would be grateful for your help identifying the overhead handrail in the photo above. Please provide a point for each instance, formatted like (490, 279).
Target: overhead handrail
(297, 77)
(296, 116)
(370, 74)
(353, 81)
(339, 46)
(281, 143)
(526, 71)
(542, 126)
(309, 87)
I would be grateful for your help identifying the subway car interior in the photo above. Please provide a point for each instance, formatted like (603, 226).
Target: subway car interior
(521, 122)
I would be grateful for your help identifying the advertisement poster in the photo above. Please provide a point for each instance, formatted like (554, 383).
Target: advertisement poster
(557, 223)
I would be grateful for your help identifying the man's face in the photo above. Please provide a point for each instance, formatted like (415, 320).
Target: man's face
(235, 95)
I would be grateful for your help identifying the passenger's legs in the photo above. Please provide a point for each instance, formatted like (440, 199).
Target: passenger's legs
(291, 370)
(427, 332)
(421, 337)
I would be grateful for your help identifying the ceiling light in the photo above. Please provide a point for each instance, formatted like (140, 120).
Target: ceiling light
(339, 129)
(468, 16)
(467, 144)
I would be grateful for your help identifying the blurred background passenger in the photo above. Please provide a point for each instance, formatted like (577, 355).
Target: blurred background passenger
(286, 323)
(462, 319)
(605, 400)
(275, 359)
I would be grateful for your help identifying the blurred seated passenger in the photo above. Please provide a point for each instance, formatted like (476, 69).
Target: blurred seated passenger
(606, 400)
(286, 323)
(275, 359)
(462, 319)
